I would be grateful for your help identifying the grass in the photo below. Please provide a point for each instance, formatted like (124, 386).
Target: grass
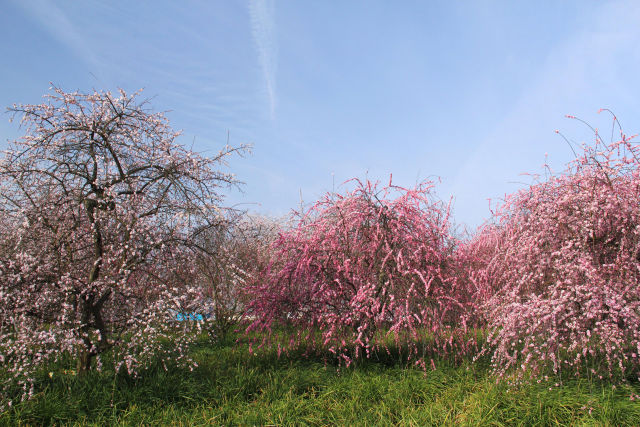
(230, 387)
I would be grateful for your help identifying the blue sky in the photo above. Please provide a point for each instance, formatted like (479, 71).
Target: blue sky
(470, 92)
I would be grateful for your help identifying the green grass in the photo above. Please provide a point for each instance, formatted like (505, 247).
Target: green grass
(230, 387)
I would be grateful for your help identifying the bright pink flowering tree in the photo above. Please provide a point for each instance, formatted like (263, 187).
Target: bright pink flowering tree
(98, 203)
(563, 266)
(372, 260)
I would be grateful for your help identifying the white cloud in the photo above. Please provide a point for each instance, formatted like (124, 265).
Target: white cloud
(263, 30)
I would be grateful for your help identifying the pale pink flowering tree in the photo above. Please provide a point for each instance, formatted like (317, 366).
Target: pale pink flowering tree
(562, 271)
(373, 261)
(99, 203)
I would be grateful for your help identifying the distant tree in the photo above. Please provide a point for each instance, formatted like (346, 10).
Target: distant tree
(235, 255)
(96, 200)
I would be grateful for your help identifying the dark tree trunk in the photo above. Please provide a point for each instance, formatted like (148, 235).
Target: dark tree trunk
(84, 361)
(90, 309)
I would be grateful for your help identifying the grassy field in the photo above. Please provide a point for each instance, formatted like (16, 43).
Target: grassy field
(229, 387)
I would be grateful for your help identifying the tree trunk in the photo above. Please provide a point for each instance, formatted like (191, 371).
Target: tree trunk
(87, 352)
(84, 362)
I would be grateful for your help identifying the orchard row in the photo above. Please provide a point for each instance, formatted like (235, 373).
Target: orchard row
(114, 241)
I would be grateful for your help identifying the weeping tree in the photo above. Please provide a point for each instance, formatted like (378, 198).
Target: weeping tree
(373, 260)
(100, 204)
(563, 265)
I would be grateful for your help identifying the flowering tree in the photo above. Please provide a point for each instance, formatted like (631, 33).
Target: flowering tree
(564, 268)
(96, 199)
(371, 260)
(234, 256)
(472, 254)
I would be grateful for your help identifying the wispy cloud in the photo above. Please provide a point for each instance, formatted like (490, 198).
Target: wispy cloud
(56, 22)
(263, 31)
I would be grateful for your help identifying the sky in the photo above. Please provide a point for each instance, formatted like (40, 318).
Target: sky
(468, 94)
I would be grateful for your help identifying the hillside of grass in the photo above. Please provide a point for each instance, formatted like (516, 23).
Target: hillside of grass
(231, 387)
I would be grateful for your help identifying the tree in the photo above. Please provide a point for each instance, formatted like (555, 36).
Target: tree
(373, 260)
(95, 198)
(563, 266)
(235, 256)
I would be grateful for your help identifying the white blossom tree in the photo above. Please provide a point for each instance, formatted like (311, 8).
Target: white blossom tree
(98, 202)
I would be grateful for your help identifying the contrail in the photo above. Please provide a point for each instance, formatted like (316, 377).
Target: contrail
(263, 31)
